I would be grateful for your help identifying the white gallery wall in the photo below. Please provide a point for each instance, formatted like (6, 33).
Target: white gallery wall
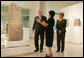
(74, 34)
(43, 7)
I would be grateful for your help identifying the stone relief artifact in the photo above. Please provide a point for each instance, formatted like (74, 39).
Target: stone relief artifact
(15, 23)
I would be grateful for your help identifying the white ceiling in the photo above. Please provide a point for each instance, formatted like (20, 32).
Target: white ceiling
(58, 4)
(61, 4)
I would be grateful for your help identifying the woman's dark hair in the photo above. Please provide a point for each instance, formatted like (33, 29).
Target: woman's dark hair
(52, 13)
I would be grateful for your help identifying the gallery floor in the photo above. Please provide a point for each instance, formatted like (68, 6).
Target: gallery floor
(71, 50)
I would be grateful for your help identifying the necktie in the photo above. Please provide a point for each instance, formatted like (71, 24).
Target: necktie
(39, 17)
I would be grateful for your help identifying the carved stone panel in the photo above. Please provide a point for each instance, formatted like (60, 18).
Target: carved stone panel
(15, 23)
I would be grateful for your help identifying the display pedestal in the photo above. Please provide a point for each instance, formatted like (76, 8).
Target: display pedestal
(18, 47)
(22, 42)
(16, 51)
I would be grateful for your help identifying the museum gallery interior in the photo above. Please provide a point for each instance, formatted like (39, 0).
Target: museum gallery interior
(17, 18)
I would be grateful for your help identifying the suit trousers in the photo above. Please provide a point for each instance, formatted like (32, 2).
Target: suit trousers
(60, 40)
(36, 40)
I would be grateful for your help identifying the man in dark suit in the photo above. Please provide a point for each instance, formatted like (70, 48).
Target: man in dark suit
(39, 30)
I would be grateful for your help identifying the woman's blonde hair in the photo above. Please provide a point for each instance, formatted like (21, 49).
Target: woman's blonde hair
(61, 13)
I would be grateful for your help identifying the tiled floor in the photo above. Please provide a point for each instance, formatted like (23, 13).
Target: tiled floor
(71, 50)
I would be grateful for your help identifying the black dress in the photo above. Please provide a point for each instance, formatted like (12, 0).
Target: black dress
(49, 32)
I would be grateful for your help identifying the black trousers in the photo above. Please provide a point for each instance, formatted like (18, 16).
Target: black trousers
(37, 38)
(61, 40)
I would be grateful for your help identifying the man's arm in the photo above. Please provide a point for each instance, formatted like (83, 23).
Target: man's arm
(34, 25)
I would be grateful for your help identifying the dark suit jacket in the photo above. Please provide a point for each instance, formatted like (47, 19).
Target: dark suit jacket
(37, 26)
(61, 26)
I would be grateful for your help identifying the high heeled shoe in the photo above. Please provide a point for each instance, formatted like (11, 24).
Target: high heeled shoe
(48, 55)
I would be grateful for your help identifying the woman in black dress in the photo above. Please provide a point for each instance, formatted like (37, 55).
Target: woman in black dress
(61, 29)
(49, 31)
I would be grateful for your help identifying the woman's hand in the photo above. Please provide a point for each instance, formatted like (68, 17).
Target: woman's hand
(60, 32)
(38, 20)
(43, 22)
(44, 32)
(33, 31)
